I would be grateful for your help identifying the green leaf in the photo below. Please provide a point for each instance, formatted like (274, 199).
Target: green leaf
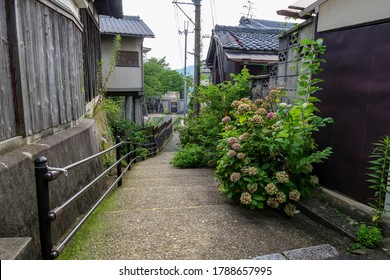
(259, 197)
(260, 205)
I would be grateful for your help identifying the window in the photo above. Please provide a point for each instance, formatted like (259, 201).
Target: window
(128, 59)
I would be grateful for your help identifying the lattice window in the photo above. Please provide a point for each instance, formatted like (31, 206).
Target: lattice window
(293, 39)
(128, 59)
(282, 57)
(273, 71)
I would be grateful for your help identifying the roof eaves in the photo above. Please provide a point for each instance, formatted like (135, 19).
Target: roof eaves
(312, 8)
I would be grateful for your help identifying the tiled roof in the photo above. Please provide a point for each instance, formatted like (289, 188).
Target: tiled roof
(128, 26)
(248, 39)
(265, 24)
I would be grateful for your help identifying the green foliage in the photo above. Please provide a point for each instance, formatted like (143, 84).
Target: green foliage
(160, 79)
(267, 149)
(190, 156)
(379, 175)
(205, 130)
(369, 236)
(104, 76)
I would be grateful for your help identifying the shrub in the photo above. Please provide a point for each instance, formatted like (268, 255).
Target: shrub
(190, 156)
(267, 149)
(369, 236)
(205, 130)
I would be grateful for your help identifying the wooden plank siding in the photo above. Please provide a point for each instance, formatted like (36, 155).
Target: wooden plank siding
(7, 114)
(50, 62)
(92, 54)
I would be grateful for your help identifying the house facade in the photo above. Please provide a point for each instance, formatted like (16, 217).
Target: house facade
(49, 56)
(128, 76)
(252, 45)
(355, 88)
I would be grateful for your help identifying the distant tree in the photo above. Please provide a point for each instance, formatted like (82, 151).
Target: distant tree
(159, 78)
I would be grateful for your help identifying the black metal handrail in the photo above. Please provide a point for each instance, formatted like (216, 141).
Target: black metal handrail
(45, 174)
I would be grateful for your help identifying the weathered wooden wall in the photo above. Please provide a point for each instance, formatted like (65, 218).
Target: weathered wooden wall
(7, 114)
(44, 53)
(50, 56)
(92, 54)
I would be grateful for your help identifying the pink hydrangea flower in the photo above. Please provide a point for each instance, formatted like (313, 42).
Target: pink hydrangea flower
(270, 115)
(226, 119)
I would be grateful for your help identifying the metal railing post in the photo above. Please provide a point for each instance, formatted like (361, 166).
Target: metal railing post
(118, 157)
(154, 141)
(42, 188)
(128, 159)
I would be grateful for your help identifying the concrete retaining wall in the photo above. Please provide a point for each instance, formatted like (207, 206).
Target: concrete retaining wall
(18, 215)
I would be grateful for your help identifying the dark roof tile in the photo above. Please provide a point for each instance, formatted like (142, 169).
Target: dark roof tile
(265, 24)
(249, 39)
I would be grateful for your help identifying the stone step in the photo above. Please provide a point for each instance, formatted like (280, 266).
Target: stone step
(320, 252)
(16, 248)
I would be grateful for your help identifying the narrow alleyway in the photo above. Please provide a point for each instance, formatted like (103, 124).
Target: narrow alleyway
(162, 212)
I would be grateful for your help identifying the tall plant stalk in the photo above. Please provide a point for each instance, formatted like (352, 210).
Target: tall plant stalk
(379, 176)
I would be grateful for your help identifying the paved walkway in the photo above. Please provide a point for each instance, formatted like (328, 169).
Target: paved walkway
(162, 212)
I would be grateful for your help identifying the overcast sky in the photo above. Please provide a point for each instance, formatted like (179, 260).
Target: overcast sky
(165, 19)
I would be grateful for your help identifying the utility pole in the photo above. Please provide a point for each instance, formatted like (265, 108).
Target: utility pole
(197, 57)
(197, 54)
(185, 32)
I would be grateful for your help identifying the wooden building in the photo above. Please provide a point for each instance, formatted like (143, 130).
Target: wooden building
(49, 54)
(128, 76)
(356, 83)
(252, 45)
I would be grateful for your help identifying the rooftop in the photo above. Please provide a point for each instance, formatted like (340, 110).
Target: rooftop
(127, 26)
(249, 39)
(265, 24)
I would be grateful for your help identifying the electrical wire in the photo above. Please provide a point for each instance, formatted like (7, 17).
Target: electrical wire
(178, 35)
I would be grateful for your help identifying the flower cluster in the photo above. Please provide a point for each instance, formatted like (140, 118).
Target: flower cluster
(257, 119)
(270, 115)
(282, 177)
(240, 155)
(314, 180)
(244, 137)
(294, 195)
(231, 153)
(290, 209)
(309, 168)
(271, 189)
(261, 111)
(246, 198)
(232, 140)
(243, 107)
(252, 188)
(226, 119)
(235, 177)
(272, 202)
(281, 197)
(236, 146)
(251, 171)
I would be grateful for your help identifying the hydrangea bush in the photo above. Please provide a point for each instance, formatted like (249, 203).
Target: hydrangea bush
(267, 149)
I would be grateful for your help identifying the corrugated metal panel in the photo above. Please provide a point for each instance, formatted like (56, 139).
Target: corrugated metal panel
(128, 25)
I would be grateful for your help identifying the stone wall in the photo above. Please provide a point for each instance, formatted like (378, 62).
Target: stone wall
(18, 216)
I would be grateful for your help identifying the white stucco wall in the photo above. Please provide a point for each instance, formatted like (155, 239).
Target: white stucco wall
(124, 78)
(335, 14)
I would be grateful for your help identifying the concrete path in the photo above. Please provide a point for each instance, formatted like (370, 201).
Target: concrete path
(162, 212)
